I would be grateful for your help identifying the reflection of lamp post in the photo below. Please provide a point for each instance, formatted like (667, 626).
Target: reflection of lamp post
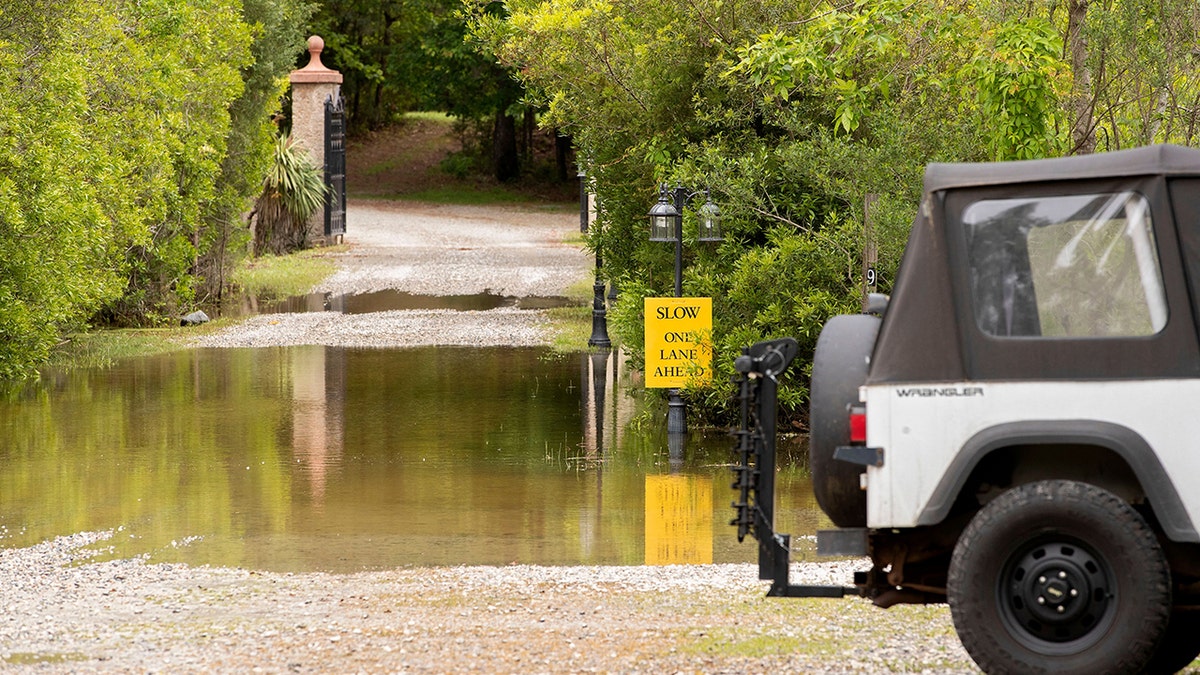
(599, 336)
(594, 388)
(666, 224)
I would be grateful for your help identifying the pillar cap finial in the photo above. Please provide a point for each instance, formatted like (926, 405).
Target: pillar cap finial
(316, 45)
(315, 71)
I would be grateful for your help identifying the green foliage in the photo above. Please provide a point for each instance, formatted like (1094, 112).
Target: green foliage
(278, 31)
(1019, 78)
(131, 139)
(292, 192)
(415, 55)
(791, 113)
(377, 46)
(299, 184)
(272, 276)
(57, 237)
(397, 57)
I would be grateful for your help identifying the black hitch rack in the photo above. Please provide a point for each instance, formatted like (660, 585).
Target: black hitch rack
(754, 471)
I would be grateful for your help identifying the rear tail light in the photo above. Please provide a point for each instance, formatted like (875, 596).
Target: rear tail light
(858, 424)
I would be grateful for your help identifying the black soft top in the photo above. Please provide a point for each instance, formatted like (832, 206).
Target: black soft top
(1156, 160)
(929, 332)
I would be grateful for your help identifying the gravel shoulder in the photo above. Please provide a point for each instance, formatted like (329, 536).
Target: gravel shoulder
(64, 613)
(62, 610)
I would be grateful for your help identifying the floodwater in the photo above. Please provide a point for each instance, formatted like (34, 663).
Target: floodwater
(387, 300)
(321, 458)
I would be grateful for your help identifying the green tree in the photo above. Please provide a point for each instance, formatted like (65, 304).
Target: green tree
(116, 176)
(164, 84)
(278, 30)
(790, 113)
(1131, 65)
(292, 192)
(1019, 82)
(377, 46)
(397, 57)
(64, 212)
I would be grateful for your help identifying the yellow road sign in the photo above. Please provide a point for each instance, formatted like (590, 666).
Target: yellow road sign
(678, 341)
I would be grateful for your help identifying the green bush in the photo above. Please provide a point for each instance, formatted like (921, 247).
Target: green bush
(131, 139)
(293, 191)
(789, 113)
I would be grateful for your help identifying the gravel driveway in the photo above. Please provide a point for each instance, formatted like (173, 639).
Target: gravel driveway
(434, 250)
(61, 611)
(64, 614)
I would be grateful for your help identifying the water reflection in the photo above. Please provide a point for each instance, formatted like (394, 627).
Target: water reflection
(679, 523)
(316, 458)
(318, 411)
(386, 300)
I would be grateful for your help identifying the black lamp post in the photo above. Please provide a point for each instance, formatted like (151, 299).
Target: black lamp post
(666, 225)
(599, 336)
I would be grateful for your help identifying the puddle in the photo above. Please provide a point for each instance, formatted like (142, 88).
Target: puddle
(321, 458)
(389, 300)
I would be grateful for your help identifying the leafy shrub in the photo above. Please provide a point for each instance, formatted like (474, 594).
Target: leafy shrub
(132, 136)
(292, 192)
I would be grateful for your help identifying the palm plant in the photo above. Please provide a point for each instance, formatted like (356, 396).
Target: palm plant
(293, 190)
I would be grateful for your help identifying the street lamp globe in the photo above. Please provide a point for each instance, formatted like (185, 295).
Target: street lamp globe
(662, 219)
(710, 221)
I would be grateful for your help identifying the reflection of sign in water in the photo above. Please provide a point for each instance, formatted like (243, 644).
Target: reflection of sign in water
(679, 520)
(678, 341)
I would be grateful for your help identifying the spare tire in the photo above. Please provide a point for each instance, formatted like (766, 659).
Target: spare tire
(840, 365)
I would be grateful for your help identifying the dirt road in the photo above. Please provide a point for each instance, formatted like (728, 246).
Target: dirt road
(62, 614)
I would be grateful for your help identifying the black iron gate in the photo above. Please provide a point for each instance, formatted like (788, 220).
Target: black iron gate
(335, 167)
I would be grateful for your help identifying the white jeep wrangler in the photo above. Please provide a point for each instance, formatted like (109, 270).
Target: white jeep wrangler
(1019, 434)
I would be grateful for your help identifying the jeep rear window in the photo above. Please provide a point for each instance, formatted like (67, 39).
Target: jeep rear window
(1065, 266)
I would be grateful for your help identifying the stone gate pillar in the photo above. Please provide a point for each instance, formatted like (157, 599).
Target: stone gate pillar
(312, 85)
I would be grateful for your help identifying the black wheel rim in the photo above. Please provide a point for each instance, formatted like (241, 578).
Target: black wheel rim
(1057, 595)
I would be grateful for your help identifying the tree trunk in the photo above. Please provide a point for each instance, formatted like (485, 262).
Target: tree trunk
(562, 150)
(504, 148)
(527, 128)
(1083, 130)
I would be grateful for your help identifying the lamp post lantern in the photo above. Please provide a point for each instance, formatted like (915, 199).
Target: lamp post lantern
(666, 225)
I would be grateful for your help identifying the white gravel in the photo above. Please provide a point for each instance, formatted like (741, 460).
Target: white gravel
(459, 250)
(400, 328)
(63, 612)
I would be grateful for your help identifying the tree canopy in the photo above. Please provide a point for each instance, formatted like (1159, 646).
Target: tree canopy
(791, 113)
(131, 135)
(399, 57)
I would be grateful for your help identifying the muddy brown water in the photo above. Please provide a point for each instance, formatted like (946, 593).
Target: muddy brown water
(388, 300)
(321, 458)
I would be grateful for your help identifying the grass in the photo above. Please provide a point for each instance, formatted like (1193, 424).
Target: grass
(758, 646)
(466, 194)
(102, 348)
(266, 277)
(439, 117)
(828, 631)
(283, 276)
(572, 326)
(421, 158)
